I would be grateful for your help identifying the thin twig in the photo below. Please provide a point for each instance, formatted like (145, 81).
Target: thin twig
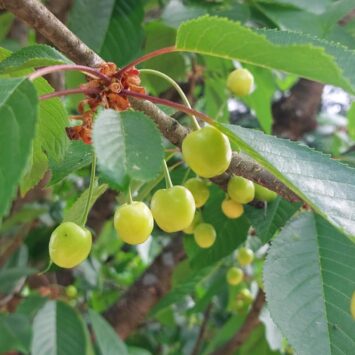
(147, 57)
(68, 92)
(201, 334)
(68, 67)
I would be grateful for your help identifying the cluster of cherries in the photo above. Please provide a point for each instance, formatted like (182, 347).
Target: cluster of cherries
(208, 153)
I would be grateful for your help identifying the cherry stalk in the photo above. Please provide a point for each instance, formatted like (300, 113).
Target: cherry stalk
(69, 67)
(69, 92)
(179, 107)
(146, 57)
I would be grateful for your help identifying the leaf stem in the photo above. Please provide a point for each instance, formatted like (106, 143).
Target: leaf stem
(68, 92)
(179, 107)
(177, 88)
(91, 189)
(147, 57)
(168, 181)
(68, 67)
(130, 199)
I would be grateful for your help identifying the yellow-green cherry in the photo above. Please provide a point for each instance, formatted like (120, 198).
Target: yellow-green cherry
(245, 256)
(69, 245)
(205, 235)
(207, 152)
(199, 190)
(133, 222)
(232, 209)
(240, 82)
(241, 190)
(235, 276)
(173, 208)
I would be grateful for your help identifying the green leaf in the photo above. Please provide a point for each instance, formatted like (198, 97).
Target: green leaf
(38, 55)
(53, 118)
(128, 146)
(267, 222)
(9, 276)
(58, 329)
(158, 36)
(15, 330)
(230, 233)
(325, 184)
(82, 16)
(18, 114)
(117, 34)
(77, 156)
(29, 306)
(50, 140)
(282, 50)
(309, 278)
(75, 213)
(107, 340)
(260, 100)
(215, 98)
(36, 167)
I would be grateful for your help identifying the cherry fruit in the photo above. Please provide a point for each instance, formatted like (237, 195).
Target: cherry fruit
(205, 235)
(199, 190)
(241, 190)
(69, 245)
(241, 82)
(173, 208)
(235, 276)
(134, 222)
(245, 256)
(232, 209)
(207, 151)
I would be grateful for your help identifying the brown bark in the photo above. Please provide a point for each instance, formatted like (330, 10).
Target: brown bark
(141, 297)
(296, 114)
(250, 323)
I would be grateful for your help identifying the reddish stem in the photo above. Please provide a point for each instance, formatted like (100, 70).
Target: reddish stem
(69, 92)
(179, 107)
(67, 67)
(146, 57)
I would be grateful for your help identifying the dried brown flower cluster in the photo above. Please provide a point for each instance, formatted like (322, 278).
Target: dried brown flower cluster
(105, 94)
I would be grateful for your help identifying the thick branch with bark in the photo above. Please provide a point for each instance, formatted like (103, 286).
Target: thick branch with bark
(250, 323)
(295, 114)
